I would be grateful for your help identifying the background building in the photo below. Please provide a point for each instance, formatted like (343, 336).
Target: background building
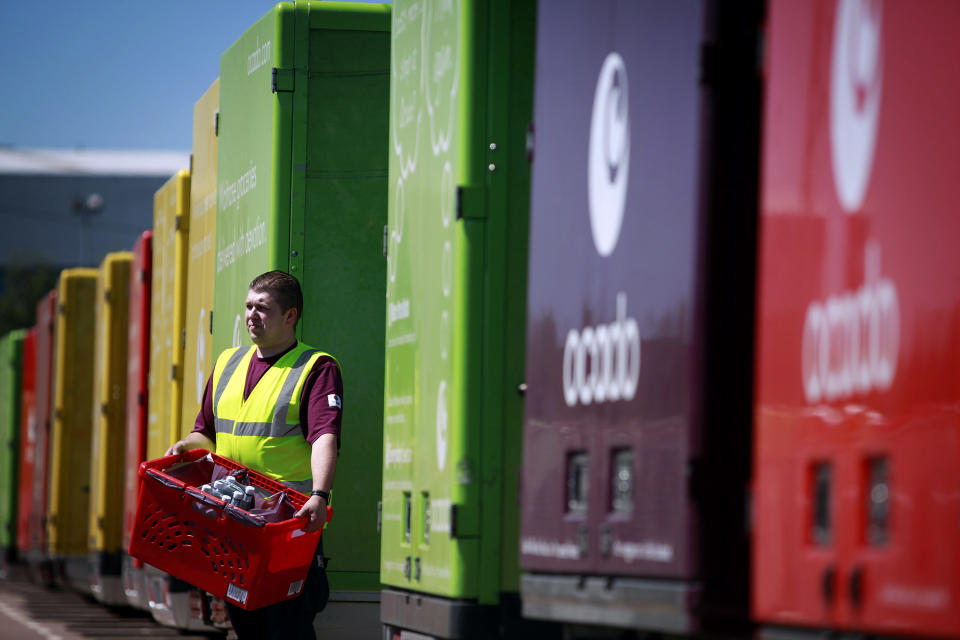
(69, 207)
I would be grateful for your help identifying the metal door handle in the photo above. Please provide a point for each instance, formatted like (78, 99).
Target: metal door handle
(827, 585)
(856, 586)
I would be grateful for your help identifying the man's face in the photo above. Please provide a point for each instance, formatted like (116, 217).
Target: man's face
(267, 324)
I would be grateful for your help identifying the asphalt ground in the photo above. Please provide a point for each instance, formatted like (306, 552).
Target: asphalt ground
(30, 611)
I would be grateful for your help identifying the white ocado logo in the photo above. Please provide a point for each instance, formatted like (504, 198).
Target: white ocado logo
(851, 341)
(608, 164)
(856, 77)
(612, 352)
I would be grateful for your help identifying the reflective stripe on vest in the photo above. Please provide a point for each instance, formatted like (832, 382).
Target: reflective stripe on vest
(263, 431)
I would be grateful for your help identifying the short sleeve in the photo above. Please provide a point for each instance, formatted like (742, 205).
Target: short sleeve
(321, 402)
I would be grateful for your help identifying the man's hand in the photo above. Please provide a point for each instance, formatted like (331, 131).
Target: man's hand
(315, 509)
(194, 440)
(323, 464)
(176, 449)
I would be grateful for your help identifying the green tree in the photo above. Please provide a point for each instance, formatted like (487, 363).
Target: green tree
(21, 288)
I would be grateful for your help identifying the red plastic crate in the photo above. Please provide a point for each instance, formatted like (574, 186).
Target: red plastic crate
(213, 546)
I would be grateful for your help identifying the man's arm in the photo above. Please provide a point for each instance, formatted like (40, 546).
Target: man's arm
(323, 465)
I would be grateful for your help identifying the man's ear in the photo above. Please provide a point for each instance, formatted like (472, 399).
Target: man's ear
(291, 315)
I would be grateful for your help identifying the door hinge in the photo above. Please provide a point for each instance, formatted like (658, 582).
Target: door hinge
(281, 80)
(530, 142)
(385, 232)
(697, 489)
(211, 321)
(216, 123)
(469, 202)
(709, 63)
(761, 50)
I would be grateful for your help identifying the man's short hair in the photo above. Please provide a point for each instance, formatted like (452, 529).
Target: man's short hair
(283, 287)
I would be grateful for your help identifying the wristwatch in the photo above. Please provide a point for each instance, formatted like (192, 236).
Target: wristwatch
(323, 494)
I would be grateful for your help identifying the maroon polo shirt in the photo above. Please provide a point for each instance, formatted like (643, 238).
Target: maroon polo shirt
(318, 414)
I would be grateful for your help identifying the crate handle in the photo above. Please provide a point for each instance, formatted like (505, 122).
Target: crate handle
(300, 532)
(165, 480)
(305, 518)
(167, 461)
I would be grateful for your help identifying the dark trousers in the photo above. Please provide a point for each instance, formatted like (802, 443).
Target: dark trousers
(290, 619)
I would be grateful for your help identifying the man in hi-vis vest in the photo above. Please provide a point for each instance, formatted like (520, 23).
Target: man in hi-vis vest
(276, 407)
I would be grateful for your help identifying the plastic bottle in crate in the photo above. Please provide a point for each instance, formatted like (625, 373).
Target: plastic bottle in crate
(231, 482)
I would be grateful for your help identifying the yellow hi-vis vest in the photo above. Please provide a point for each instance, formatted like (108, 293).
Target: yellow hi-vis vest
(263, 432)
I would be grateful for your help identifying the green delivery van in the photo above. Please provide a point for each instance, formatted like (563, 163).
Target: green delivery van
(460, 108)
(302, 187)
(11, 354)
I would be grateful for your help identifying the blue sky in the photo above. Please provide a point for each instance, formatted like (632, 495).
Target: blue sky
(111, 74)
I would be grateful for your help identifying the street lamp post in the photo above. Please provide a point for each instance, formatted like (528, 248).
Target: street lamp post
(86, 207)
